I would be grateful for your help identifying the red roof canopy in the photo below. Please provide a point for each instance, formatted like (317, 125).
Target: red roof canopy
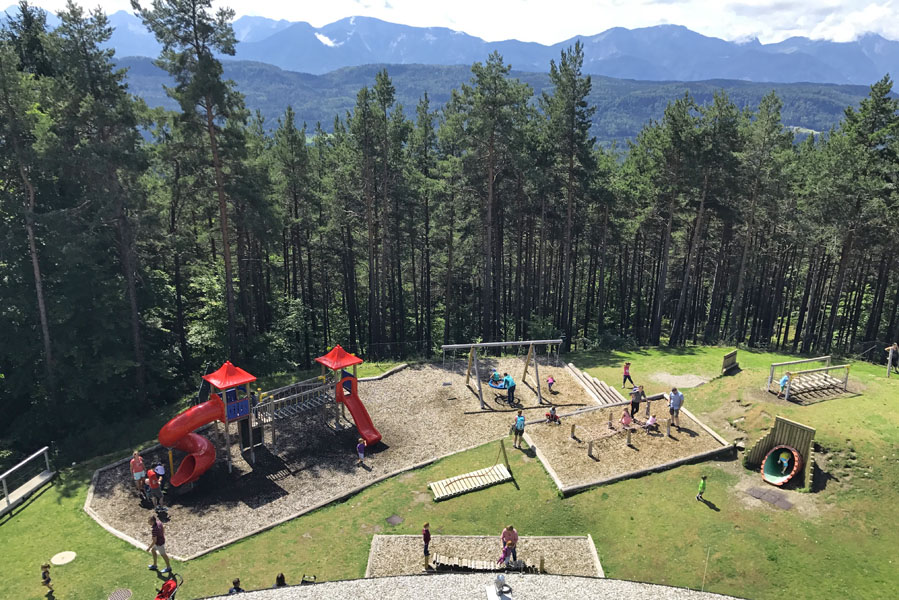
(338, 358)
(229, 376)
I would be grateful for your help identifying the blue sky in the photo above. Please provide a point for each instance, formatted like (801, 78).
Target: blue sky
(551, 21)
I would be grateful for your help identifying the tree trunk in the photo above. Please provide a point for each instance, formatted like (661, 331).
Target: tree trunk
(223, 220)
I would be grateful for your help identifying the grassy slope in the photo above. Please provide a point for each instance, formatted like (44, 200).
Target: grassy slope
(648, 529)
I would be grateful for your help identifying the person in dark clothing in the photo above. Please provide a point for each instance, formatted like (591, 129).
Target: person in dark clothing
(235, 587)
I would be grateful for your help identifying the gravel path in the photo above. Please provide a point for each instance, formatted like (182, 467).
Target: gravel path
(472, 587)
(402, 554)
(313, 465)
(568, 457)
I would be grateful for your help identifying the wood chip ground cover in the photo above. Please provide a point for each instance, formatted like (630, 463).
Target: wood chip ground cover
(419, 418)
(568, 457)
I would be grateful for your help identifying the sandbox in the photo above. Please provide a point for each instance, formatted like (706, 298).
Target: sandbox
(572, 470)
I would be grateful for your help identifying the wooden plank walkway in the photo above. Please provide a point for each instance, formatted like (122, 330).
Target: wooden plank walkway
(21, 493)
(470, 482)
(441, 562)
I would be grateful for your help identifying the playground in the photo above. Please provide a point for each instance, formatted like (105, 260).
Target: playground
(312, 463)
(827, 541)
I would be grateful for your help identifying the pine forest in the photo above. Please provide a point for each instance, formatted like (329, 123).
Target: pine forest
(139, 245)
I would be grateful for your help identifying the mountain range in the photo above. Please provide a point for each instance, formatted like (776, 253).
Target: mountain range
(660, 53)
(623, 106)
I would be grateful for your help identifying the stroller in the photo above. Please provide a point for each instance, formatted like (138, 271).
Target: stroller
(169, 588)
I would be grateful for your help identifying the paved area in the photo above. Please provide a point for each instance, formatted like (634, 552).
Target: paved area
(771, 496)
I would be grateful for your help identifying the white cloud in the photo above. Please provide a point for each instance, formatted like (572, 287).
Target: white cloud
(551, 21)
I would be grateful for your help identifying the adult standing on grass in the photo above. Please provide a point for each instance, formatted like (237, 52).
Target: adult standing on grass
(510, 388)
(157, 545)
(675, 402)
(518, 431)
(627, 375)
(510, 536)
(138, 471)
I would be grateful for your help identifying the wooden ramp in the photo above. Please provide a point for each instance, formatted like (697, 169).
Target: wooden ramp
(470, 482)
(452, 563)
(21, 493)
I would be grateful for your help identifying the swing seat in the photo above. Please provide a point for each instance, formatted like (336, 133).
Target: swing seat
(497, 386)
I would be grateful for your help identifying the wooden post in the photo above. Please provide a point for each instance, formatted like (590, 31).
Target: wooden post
(537, 375)
(668, 428)
(477, 375)
(227, 443)
(542, 570)
(572, 431)
(527, 361)
(505, 458)
(628, 436)
(890, 362)
(648, 402)
(610, 420)
(426, 562)
(590, 449)
(846, 380)
(787, 389)
(470, 359)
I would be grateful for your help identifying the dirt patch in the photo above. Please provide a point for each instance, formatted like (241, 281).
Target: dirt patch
(402, 554)
(419, 418)
(805, 504)
(568, 457)
(679, 381)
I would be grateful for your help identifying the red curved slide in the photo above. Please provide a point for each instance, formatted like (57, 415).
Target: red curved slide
(177, 433)
(363, 422)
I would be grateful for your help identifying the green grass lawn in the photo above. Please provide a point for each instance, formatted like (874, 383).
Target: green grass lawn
(650, 529)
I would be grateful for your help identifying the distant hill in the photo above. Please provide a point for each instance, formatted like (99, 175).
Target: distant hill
(623, 106)
(661, 53)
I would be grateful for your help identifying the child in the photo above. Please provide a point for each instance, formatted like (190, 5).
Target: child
(701, 489)
(426, 536)
(45, 577)
(625, 419)
(627, 375)
(360, 450)
(784, 460)
(651, 424)
(495, 378)
(552, 417)
(783, 384)
(155, 485)
(550, 382)
(507, 553)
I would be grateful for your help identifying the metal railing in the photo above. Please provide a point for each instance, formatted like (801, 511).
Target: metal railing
(45, 451)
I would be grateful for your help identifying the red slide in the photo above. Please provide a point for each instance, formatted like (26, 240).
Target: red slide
(363, 422)
(177, 433)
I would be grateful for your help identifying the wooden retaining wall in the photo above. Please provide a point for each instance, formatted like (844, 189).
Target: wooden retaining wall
(729, 362)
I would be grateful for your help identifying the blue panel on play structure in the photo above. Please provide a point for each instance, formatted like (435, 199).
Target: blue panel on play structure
(347, 385)
(238, 410)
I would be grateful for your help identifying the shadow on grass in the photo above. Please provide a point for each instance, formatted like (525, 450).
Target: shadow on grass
(11, 514)
(615, 358)
(710, 504)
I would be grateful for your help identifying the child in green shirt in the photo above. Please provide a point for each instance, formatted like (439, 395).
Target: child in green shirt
(701, 488)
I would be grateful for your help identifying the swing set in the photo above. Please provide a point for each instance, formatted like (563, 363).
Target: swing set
(474, 367)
